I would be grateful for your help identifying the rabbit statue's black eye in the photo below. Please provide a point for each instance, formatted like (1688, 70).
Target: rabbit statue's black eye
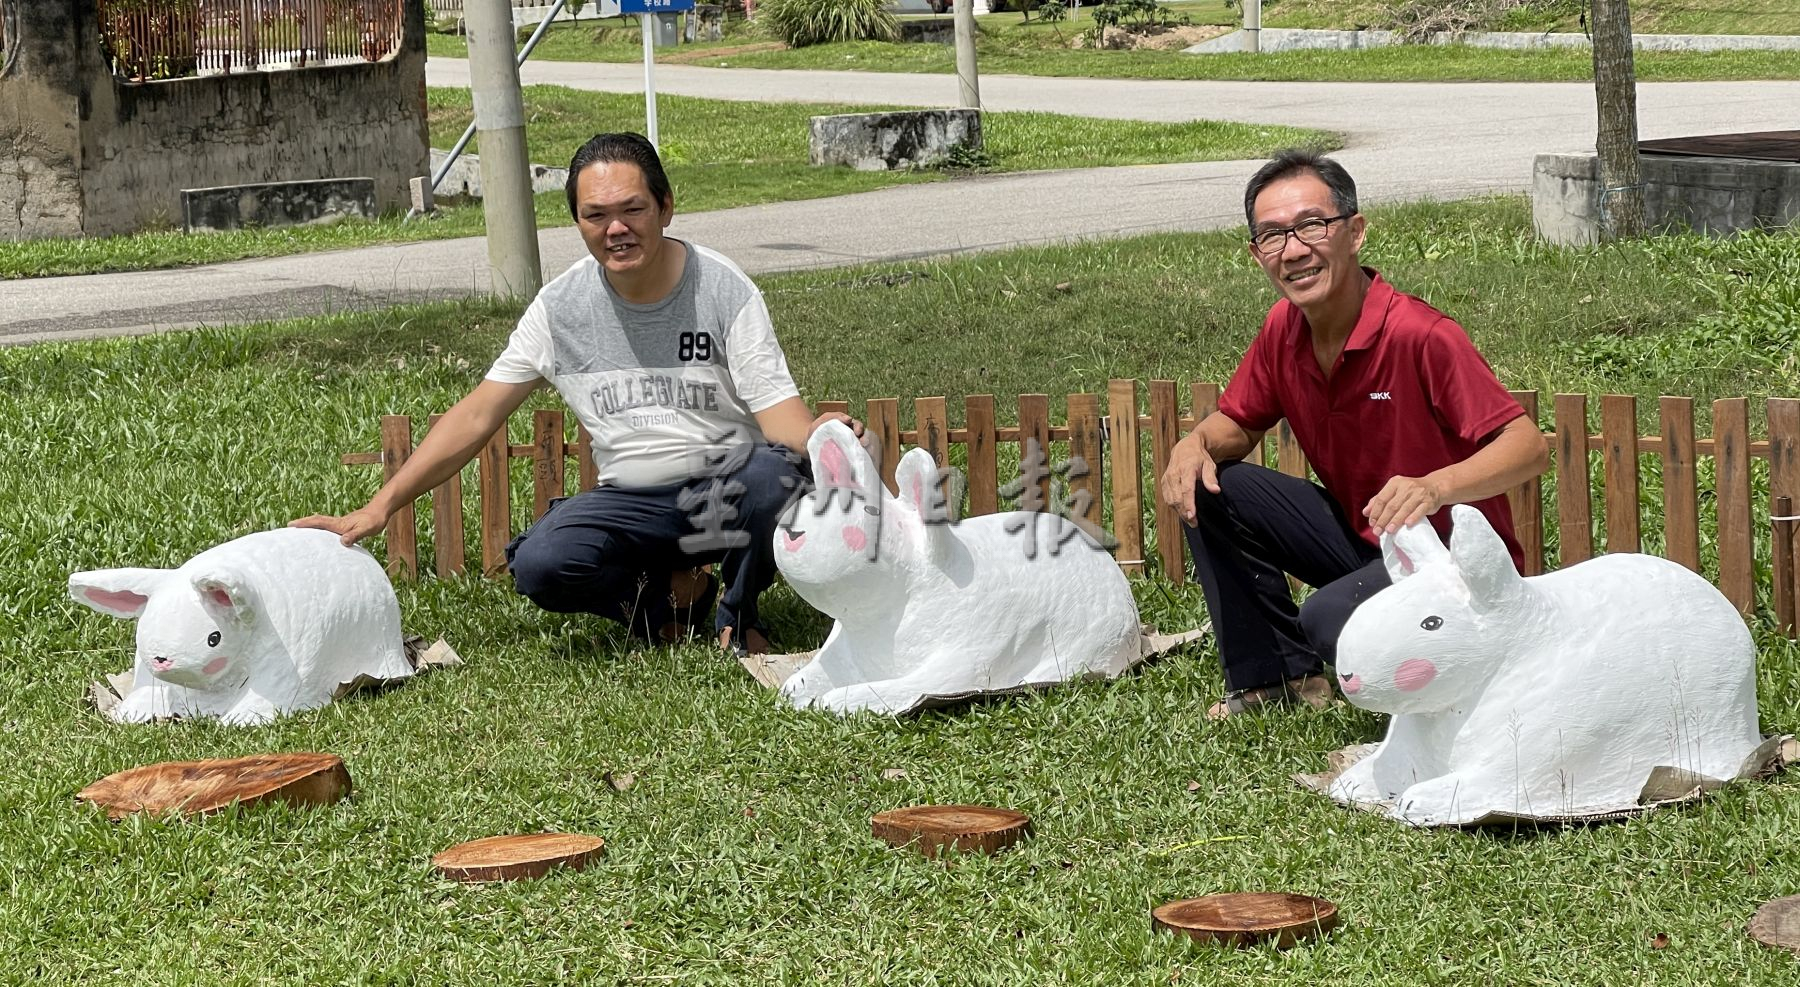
(1432, 623)
(212, 640)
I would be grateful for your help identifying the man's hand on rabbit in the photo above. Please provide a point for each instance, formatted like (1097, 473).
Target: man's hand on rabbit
(866, 438)
(1404, 500)
(351, 528)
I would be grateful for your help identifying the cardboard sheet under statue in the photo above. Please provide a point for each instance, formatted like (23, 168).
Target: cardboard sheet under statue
(1602, 689)
(928, 611)
(267, 624)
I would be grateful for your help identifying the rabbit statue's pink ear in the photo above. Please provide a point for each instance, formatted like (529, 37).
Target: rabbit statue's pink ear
(838, 459)
(1481, 558)
(923, 487)
(120, 592)
(1411, 548)
(226, 596)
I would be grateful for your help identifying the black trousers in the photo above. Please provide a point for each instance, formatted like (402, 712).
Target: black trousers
(610, 551)
(1259, 526)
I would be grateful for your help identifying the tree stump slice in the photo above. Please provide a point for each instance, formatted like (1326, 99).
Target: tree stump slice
(1778, 924)
(1244, 919)
(512, 858)
(195, 788)
(935, 829)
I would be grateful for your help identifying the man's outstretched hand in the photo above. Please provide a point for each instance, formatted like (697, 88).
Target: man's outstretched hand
(1404, 500)
(1188, 464)
(351, 528)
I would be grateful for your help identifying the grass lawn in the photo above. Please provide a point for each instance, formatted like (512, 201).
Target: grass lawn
(719, 154)
(1010, 45)
(741, 855)
(1647, 16)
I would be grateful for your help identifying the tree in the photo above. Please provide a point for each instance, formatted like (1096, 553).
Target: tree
(1615, 96)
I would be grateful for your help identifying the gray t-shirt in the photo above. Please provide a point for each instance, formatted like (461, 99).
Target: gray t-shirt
(668, 389)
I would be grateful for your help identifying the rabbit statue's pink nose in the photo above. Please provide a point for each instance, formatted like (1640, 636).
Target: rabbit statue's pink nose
(1349, 683)
(792, 542)
(161, 664)
(1414, 674)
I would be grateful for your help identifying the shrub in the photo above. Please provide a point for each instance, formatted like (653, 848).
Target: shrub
(810, 22)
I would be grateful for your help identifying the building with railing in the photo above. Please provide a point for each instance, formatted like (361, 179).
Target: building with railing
(109, 109)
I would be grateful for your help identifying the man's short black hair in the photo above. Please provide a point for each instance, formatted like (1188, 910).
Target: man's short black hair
(625, 147)
(1293, 161)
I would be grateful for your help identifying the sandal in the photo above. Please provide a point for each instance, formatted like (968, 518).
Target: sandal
(1310, 690)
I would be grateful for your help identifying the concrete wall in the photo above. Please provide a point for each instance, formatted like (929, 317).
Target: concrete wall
(137, 145)
(1712, 195)
(40, 124)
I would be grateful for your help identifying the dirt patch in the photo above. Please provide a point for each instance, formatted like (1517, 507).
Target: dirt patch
(1153, 38)
(682, 58)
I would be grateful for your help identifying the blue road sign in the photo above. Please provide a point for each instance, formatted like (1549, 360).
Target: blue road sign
(654, 6)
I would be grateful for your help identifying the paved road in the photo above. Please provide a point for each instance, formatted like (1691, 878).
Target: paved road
(1404, 141)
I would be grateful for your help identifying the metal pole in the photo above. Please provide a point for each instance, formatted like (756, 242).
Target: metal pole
(968, 83)
(524, 53)
(506, 200)
(1253, 25)
(649, 80)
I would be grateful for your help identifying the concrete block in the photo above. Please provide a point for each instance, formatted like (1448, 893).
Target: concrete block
(895, 139)
(928, 30)
(232, 207)
(1708, 195)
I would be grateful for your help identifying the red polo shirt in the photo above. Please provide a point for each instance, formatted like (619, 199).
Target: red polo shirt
(1408, 395)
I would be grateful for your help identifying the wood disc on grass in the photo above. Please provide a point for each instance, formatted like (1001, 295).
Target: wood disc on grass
(197, 787)
(933, 829)
(512, 858)
(1778, 924)
(1243, 919)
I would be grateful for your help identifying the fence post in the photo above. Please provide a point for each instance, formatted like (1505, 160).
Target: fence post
(1574, 512)
(547, 454)
(984, 471)
(1165, 429)
(402, 530)
(1526, 501)
(1127, 474)
(1089, 487)
(1731, 452)
(883, 419)
(496, 503)
(447, 521)
(1784, 482)
(1681, 503)
(1781, 545)
(1034, 426)
(587, 471)
(1618, 431)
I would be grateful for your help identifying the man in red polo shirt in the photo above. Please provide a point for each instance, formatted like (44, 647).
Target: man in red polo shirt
(1398, 414)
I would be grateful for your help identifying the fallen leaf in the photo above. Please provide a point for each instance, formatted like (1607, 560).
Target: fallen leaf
(1064, 285)
(1193, 786)
(620, 782)
(1009, 293)
(1659, 941)
(749, 813)
(892, 774)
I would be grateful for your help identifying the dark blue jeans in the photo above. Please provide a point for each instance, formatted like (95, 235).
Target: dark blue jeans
(1259, 526)
(610, 551)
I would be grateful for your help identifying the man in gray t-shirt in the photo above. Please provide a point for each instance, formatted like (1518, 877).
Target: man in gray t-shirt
(665, 352)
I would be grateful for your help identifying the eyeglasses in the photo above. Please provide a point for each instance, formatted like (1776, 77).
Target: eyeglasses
(1308, 230)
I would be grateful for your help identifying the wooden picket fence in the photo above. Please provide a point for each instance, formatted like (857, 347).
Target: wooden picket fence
(1111, 439)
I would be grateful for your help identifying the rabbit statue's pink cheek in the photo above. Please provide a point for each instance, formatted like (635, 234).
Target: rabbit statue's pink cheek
(855, 539)
(1351, 684)
(1413, 674)
(793, 542)
(215, 666)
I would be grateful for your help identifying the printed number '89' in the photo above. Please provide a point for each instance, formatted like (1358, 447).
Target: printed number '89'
(696, 346)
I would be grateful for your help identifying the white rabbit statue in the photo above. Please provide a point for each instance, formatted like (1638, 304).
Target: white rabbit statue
(1553, 695)
(924, 607)
(266, 624)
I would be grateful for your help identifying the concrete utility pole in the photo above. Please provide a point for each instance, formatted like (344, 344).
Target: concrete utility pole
(1252, 25)
(1615, 97)
(506, 200)
(968, 84)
